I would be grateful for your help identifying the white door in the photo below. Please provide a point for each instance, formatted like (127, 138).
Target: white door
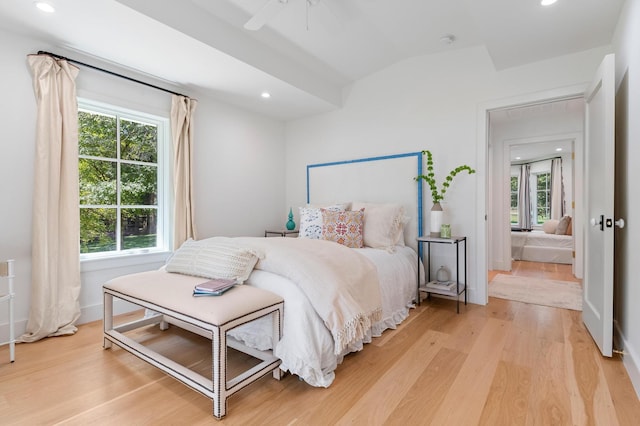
(597, 309)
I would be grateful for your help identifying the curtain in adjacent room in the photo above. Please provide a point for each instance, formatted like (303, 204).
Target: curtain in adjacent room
(182, 110)
(524, 197)
(557, 189)
(55, 258)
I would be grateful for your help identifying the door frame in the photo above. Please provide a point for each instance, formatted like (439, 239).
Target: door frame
(480, 295)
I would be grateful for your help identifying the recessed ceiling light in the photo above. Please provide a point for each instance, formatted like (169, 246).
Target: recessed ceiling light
(558, 149)
(266, 95)
(547, 2)
(44, 6)
(518, 158)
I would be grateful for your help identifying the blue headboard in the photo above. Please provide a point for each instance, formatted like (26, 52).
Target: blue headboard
(385, 179)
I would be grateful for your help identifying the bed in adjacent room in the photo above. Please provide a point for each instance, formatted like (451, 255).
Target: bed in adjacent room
(552, 244)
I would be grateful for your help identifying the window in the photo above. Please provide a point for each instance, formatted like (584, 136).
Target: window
(514, 200)
(122, 180)
(543, 197)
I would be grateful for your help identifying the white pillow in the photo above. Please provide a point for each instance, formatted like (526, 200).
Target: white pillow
(550, 226)
(216, 257)
(383, 224)
(311, 219)
(334, 207)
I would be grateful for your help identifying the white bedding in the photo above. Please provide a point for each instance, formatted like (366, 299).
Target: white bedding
(341, 284)
(307, 346)
(542, 247)
(541, 239)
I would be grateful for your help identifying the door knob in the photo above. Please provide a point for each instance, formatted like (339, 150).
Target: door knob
(619, 223)
(598, 222)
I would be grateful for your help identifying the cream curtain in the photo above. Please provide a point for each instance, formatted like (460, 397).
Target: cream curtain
(182, 110)
(55, 270)
(557, 189)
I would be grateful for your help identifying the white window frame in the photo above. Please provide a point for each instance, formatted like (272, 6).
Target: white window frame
(164, 193)
(519, 222)
(535, 195)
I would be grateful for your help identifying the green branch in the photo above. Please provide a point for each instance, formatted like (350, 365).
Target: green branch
(438, 195)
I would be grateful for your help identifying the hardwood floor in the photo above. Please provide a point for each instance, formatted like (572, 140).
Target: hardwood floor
(550, 271)
(506, 363)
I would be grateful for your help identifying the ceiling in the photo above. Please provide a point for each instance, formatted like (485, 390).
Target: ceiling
(540, 150)
(564, 110)
(308, 52)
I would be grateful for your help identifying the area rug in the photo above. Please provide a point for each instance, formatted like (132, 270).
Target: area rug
(559, 294)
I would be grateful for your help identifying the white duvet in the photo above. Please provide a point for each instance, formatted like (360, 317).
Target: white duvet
(341, 284)
(307, 346)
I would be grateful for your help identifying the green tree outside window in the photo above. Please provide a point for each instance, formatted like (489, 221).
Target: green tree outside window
(513, 212)
(543, 198)
(118, 168)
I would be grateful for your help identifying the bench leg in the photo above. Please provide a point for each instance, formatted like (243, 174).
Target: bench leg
(219, 355)
(276, 335)
(148, 313)
(107, 319)
(164, 325)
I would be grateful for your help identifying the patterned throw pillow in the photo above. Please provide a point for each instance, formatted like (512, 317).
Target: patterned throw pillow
(343, 227)
(311, 220)
(215, 257)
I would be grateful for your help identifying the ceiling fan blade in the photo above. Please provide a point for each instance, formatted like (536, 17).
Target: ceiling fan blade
(264, 15)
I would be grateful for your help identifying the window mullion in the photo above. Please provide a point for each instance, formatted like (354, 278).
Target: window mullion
(118, 187)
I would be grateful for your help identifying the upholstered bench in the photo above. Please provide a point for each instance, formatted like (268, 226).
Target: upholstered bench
(170, 298)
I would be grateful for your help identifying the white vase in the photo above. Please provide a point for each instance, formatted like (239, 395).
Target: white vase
(443, 274)
(436, 220)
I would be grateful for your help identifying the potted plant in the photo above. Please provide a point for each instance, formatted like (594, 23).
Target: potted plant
(437, 195)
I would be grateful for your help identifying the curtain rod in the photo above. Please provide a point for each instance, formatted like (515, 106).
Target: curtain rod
(521, 162)
(42, 52)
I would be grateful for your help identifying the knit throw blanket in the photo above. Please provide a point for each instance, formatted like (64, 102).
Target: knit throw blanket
(341, 284)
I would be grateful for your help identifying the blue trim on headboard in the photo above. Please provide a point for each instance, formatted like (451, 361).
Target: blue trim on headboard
(418, 156)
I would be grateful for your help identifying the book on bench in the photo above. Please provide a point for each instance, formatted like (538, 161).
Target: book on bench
(214, 287)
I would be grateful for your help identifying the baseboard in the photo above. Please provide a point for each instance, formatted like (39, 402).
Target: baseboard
(95, 312)
(501, 266)
(630, 358)
(19, 328)
(87, 314)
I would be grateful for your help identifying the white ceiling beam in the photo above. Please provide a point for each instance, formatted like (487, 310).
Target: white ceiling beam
(195, 22)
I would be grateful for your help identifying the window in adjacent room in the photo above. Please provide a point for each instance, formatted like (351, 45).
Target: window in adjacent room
(122, 180)
(543, 197)
(513, 211)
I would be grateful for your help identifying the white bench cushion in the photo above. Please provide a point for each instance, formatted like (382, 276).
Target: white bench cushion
(175, 292)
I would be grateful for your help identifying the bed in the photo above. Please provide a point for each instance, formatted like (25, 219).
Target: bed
(539, 246)
(320, 328)
(308, 347)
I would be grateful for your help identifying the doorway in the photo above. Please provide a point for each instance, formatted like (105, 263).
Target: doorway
(548, 107)
(528, 254)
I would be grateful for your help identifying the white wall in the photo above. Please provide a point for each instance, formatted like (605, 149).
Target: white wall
(627, 197)
(239, 163)
(16, 160)
(240, 172)
(428, 102)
